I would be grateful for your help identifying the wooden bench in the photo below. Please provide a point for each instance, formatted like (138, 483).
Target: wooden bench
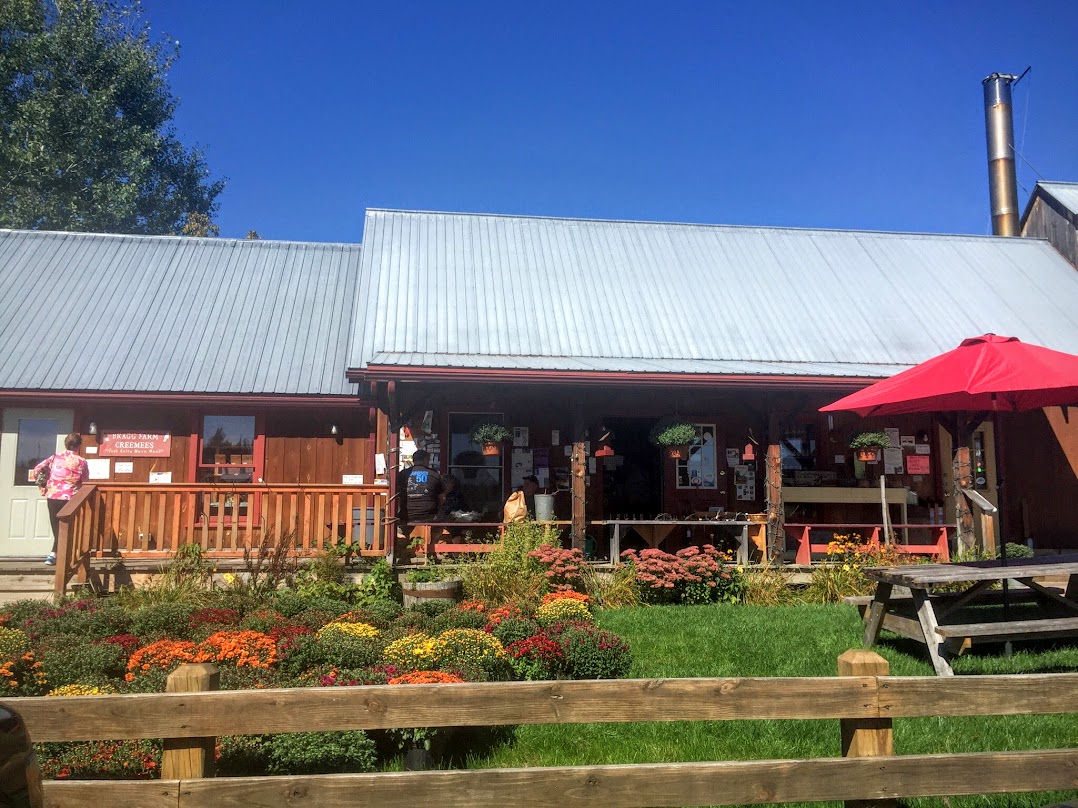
(1026, 629)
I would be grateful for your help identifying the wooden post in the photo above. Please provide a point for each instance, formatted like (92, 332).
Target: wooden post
(866, 737)
(966, 538)
(776, 515)
(578, 468)
(188, 758)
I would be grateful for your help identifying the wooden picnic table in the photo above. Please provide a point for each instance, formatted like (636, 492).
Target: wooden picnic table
(924, 614)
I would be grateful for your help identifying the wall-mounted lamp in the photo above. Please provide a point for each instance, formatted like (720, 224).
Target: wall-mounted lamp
(922, 437)
(334, 431)
(749, 453)
(93, 428)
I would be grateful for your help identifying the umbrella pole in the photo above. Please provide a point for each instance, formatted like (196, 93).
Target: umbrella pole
(997, 440)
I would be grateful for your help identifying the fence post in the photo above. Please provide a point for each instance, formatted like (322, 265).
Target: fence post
(865, 737)
(189, 758)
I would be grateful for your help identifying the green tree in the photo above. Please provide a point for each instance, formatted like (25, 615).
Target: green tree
(86, 134)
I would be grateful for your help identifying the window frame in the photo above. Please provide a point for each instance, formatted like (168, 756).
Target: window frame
(257, 464)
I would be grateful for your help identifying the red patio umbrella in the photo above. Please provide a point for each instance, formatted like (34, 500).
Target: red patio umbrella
(983, 374)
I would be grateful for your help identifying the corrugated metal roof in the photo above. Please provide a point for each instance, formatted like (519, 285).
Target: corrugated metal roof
(1065, 192)
(168, 314)
(471, 290)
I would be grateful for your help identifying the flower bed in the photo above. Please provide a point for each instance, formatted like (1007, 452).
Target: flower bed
(290, 638)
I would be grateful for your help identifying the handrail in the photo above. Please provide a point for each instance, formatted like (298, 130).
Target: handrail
(978, 499)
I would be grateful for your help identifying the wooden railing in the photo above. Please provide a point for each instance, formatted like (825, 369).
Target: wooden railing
(864, 698)
(938, 548)
(115, 519)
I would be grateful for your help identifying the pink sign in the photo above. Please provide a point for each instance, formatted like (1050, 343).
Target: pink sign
(134, 444)
(918, 464)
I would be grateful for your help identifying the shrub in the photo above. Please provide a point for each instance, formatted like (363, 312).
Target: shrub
(1016, 550)
(562, 610)
(382, 612)
(563, 568)
(82, 690)
(459, 618)
(347, 650)
(313, 619)
(13, 642)
(22, 675)
(163, 620)
(97, 760)
(692, 575)
(85, 618)
(289, 602)
(537, 658)
(74, 662)
(380, 584)
(432, 608)
(127, 643)
(462, 649)
(513, 629)
(590, 652)
(508, 573)
(840, 576)
(320, 752)
(163, 655)
(244, 649)
(354, 630)
(415, 623)
(236, 678)
(264, 620)
(414, 652)
(301, 653)
(213, 617)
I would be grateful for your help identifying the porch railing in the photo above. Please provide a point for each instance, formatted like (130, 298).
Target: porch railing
(937, 547)
(121, 519)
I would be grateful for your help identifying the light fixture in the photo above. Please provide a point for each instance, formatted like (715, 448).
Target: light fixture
(334, 431)
(749, 453)
(93, 428)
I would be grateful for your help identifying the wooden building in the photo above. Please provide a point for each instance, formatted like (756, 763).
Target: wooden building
(1052, 214)
(230, 391)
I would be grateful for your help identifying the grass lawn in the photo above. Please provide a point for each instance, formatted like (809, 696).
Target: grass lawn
(682, 641)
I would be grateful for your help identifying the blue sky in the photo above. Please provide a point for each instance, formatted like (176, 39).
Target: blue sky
(838, 115)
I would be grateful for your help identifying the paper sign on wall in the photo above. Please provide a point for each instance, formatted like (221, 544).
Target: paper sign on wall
(520, 436)
(908, 441)
(161, 477)
(98, 468)
(380, 464)
(555, 437)
(892, 460)
(351, 479)
(125, 467)
(894, 436)
(918, 464)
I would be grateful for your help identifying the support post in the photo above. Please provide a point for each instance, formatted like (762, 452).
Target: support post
(776, 515)
(189, 758)
(577, 470)
(866, 737)
(966, 538)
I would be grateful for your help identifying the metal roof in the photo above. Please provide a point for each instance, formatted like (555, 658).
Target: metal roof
(515, 292)
(91, 312)
(1065, 192)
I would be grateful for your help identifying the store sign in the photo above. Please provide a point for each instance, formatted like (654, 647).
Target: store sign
(135, 444)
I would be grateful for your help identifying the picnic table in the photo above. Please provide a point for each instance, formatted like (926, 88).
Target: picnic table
(926, 613)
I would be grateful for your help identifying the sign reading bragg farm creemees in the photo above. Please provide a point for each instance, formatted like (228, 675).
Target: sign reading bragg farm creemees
(134, 444)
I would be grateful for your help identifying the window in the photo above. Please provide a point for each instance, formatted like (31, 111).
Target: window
(698, 470)
(36, 441)
(229, 453)
(479, 475)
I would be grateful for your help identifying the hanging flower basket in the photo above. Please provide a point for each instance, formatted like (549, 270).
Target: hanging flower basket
(870, 454)
(867, 446)
(679, 451)
(490, 436)
(491, 449)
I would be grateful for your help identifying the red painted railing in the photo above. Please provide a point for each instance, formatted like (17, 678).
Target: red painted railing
(802, 534)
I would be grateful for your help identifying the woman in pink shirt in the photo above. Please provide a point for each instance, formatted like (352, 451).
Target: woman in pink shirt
(67, 472)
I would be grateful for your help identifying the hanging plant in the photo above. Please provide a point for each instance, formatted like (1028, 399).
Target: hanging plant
(674, 435)
(489, 435)
(867, 445)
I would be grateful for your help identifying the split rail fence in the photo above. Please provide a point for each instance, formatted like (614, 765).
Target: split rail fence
(863, 698)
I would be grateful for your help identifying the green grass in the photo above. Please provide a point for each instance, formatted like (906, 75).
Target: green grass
(805, 640)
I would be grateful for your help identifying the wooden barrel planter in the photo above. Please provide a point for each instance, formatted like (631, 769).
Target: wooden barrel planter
(449, 590)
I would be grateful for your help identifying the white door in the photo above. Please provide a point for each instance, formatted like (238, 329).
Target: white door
(29, 436)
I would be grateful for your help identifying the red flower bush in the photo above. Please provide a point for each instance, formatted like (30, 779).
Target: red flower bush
(693, 575)
(563, 567)
(537, 658)
(128, 643)
(213, 617)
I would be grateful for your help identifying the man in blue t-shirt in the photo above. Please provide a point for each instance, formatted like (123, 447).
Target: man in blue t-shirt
(422, 490)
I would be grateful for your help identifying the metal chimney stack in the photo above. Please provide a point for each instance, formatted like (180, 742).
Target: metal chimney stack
(999, 127)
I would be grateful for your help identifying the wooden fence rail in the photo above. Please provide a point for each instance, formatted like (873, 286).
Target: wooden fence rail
(937, 549)
(865, 705)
